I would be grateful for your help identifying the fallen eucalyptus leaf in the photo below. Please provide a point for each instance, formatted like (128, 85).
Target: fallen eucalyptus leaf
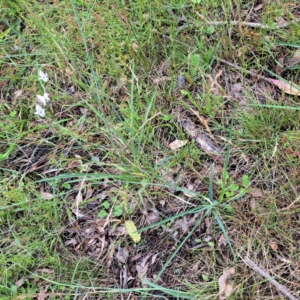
(225, 288)
(286, 87)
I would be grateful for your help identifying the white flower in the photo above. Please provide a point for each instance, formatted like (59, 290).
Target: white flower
(43, 99)
(46, 97)
(43, 76)
(39, 111)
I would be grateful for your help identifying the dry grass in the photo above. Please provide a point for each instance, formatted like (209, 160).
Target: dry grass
(125, 81)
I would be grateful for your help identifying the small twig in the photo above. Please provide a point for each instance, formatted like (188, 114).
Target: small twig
(237, 23)
(204, 122)
(275, 283)
(288, 207)
(244, 70)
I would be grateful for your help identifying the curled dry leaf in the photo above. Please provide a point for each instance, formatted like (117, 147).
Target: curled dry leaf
(273, 245)
(122, 255)
(89, 192)
(291, 89)
(177, 144)
(225, 288)
(142, 267)
(151, 215)
(222, 241)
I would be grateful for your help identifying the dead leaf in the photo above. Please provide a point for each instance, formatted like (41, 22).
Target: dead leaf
(253, 204)
(183, 223)
(72, 242)
(142, 267)
(109, 256)
(225, 288)
(17, 94)
(89, 192)
(286, 87)
(19, 282)
(45, 270)
(122, 255)
(235, 88)
(222, 241)
(46, 196)
(177, 144)
(273, 245)
(68, 72)
(135, 47)
(256, 193)
(152, 216)
(78, 199)
(294, 60)
(258, 7)
(142, 271)
(42, 294)
(281, 21)
(192, 188)
(160, 79)
(153, 259)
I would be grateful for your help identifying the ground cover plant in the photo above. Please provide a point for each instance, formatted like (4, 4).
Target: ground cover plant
(149, 149)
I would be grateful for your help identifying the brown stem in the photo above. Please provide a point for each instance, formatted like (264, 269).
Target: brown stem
(275, 283)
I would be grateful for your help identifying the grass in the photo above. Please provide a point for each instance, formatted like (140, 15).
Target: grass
(101, 155)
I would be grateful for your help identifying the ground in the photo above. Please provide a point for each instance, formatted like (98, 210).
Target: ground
(149, 149)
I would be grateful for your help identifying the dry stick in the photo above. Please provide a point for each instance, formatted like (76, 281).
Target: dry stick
(288, 207)
(275, 283)
(245, 71)
(237, 23)
(205, 123)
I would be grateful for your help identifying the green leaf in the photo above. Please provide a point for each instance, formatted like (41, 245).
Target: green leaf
(118, 211)
(246, 181)
(195, 64)
(6, 154)
(13, 113)
(233, 187)
(204, 277)
(210, 29)
(211, 244)
(102, 213)
(5, 33)
(229, 194)
(106, 204)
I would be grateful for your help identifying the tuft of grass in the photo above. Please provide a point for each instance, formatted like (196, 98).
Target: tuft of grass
(116, 104)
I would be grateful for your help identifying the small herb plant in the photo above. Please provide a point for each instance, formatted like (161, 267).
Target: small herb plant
(119, 208)
(233, 188)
